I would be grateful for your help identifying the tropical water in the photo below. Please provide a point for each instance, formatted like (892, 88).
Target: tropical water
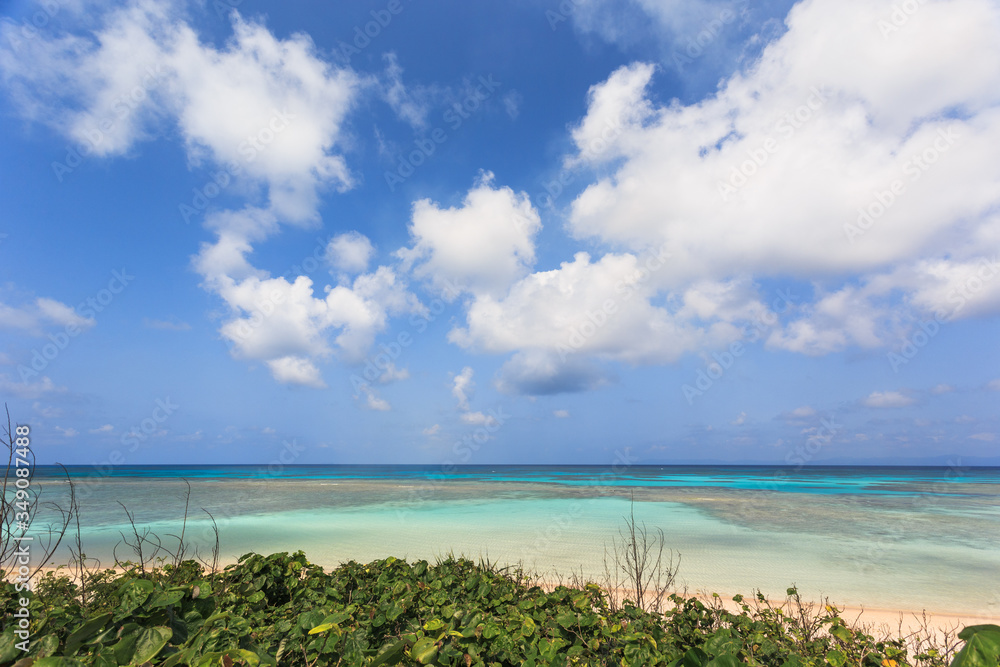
(883, 538)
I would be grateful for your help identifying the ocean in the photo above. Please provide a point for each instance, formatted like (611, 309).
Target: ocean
(884, 538)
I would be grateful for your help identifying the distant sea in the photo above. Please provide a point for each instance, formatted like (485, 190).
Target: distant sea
(886, 538)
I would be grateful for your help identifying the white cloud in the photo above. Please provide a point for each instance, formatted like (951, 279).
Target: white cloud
(740, 419)
(482, 247)
(274, 319)
(409, 104)
(803, 411)
(373, 401)
(431, 431)
(887, 399)
(985, 437)
(477, 418)
(67, 432)
(43, 386)
(350, 252)
(107, 428)
(942, 389)
(560, 414)
(263, 112)
(994, 385)
(42, 313)
(392, 374)
(295, 370)
(463, 388)
(866, 106)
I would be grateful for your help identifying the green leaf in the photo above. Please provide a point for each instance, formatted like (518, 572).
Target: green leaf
(424, 651)
(323, 627)
(727, 660)
(89, 628)
(151, 641)
(722, 642)
(840, 632)
(566, 620)
(836, 658)
(125, 648)
(695, 657)
(134, 593)
(982, 647)
(8, 650)
(391, 654)
(57, 662)
(434, 624)
(165, 599)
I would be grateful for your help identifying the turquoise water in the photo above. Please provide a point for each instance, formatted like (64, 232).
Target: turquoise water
(886, 538)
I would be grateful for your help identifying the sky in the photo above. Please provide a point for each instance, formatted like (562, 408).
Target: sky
(611, 232)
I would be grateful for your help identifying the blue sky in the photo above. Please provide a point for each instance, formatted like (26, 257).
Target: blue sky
(588, 232)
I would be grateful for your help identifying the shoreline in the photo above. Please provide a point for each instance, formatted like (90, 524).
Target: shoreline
(874, 620)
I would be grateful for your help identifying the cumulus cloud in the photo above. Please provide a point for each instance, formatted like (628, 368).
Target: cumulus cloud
(295, 370)
(107, 428)
(560, 414)
(784, 171)
(888, 399)
(262, 112)
(463, 387)
(482, 246)
(431, 431)
(349, 253)
(984, 437)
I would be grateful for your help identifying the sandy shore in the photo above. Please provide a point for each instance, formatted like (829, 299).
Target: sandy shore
(897, 622)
